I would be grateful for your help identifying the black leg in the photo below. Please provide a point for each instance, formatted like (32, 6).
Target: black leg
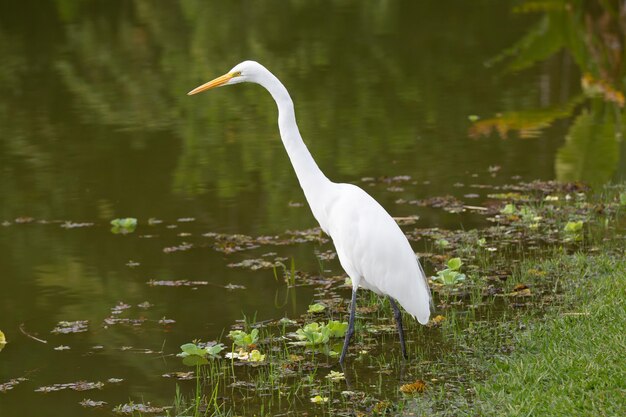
(350, 328)
(398, 315)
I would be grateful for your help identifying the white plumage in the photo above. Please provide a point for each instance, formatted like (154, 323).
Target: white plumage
(371, 247)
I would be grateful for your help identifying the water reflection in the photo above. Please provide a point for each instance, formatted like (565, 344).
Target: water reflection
(592, 34)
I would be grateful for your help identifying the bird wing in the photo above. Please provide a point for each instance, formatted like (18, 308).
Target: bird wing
(375, 252)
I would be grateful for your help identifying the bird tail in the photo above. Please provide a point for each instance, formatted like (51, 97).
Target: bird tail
(415, 297)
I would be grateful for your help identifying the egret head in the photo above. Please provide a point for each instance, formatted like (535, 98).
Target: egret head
(246, 71)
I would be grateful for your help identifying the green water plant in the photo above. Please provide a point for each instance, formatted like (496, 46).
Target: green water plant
(573, 227)
(337, 328)
(317, 333)
(316, 308)
(124, 225)
(509, 209)
(195, 354)
(244, 340)
(451, 275)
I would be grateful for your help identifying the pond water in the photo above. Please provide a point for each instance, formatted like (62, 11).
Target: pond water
(95, 124)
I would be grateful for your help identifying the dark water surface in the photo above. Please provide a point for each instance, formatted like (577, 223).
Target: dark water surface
(95, 124)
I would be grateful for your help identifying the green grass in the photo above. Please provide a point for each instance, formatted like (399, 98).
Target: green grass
(573, 362)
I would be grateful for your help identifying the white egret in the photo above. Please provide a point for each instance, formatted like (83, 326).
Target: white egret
(372, 249)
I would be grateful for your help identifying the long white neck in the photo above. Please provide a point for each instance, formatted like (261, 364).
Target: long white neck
(311, 178)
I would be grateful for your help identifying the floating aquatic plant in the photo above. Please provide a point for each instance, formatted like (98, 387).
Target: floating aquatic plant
(244, 340)
(573, 227)
(451, 275)
(318, 399)
(256, 356)
(123, 225)
(509, 209)
(194, 354)
(316, 308)
(317, 334)
(253, 356)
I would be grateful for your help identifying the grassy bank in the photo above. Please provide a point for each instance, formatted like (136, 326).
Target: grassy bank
(573, 361)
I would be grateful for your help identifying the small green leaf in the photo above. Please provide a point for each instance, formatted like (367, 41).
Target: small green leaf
(215, 349)
(256, 356)
(243, 339)
(123, 225)
(194, 360)
(442, 243)
(316, 308)
(336, 328)
(192, 349)
(574, 227)
(622, 198)
(509, 209)
(455, 263)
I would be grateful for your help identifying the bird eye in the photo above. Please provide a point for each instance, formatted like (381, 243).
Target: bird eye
(237, 74)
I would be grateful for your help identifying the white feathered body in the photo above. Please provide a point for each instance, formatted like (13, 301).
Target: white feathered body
(372, 248)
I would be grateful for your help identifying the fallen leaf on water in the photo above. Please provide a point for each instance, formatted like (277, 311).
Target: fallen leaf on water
(177, 283)
(72, 225)
(76, 386)
(253, 264)
(121, 306)
(417, 386)
(131, 408)
(62, 347)
(24, 219)
(91, 403)
(234, 287)
(109, 321)
(181, 376)
(182, 247)
(7, 386)
(65, 327)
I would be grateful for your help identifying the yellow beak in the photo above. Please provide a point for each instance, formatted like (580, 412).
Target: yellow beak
(213, 83)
